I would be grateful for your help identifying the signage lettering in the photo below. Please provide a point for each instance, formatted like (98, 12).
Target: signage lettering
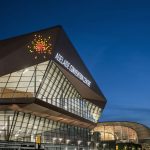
(72, 69)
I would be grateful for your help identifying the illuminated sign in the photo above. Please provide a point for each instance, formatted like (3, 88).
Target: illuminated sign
(72, 69)
(40, 46)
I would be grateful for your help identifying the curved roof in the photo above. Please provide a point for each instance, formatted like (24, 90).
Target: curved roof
(143, 132)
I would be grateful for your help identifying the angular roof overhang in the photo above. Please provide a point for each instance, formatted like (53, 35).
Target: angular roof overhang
(40, 108)
(15, 56)
(84, 91)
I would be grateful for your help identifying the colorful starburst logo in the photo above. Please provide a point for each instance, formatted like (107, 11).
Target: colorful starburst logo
(40, 46)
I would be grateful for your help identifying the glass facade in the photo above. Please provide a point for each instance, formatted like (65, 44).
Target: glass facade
(19, 126)
(46, 91)
(119, 133)
(46, 82)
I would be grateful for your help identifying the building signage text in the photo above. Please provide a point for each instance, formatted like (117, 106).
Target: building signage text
(72, 69)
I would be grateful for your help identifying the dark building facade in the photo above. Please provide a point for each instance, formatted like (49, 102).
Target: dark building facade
(45, 89)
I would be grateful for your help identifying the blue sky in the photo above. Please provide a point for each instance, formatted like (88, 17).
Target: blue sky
(112, 37)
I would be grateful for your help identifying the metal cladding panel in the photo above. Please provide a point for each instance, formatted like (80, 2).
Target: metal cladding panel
(22, 52)
(65, 48)
(18, 53)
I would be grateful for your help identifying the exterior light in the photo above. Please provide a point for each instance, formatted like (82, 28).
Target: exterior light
(16, 134)
(54, 138)
(60, 139)
(26, 70)
(79, 142)
(88, 143)
(104, 145)
(67, 141)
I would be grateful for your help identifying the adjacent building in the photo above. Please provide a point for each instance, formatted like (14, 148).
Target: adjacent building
(123, 132)
(46, 90)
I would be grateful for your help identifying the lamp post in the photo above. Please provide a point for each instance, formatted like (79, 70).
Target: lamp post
(79, 142)
(104, 145)
(88, 143)
(97, 144)
(54, 139)
(67, 142)
(60, 139)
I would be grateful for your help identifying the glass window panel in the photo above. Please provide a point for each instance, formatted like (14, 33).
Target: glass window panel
(23, 84)
(14, 79)
(4, 79)
(12, 84)
(25, 78)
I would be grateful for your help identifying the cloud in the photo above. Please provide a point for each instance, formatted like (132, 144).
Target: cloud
(128, 108)
(117, 112)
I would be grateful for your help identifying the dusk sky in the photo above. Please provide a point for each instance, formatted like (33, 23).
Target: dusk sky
(111, 36)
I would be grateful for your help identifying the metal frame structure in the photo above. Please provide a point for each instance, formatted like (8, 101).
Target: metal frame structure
(124, 131)
(42, 95)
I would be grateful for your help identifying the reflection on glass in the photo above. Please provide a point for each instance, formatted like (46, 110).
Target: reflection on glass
(46, 82)
(116, 133)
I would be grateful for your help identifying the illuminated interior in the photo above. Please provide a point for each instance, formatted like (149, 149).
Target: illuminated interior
(42, 96)
(46, 82)
(19, 126)
(119, 133)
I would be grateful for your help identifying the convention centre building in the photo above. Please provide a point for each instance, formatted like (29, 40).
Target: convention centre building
(46, 90)
(124, 135)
